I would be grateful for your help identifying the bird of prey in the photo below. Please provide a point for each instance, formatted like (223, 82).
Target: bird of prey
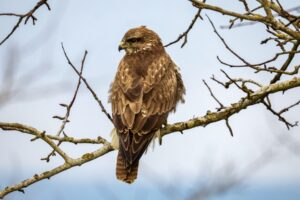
(146, 88)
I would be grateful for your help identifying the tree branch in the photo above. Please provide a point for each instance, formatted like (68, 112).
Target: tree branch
(185, 33)
(87, 85)
(256, 66)
(210, 117)
(254, 98)
(68, 107)
(48, 174)
(25, 17)
(254, 17)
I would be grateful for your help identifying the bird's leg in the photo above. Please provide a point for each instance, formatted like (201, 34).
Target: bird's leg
(158, 133)
(158, 136)
(114, 139)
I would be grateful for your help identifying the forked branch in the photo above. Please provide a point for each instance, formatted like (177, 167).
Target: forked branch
(24, 17)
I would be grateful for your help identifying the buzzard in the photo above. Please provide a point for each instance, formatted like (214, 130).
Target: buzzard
(146, 88)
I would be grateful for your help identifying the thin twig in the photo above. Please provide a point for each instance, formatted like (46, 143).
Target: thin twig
(275, 24)
(287, 62)
(68, 107)
(213, 96)
(232, 21)
(232, 80)
(289, 107)
(241, 24)
(245, 5)
(26, 17)
(247, 64)
(219, 82)
(274, 58)
(280, 117)
(229, 127)
(225, 44)
(243, 81)
(184, 35)
(87, 85)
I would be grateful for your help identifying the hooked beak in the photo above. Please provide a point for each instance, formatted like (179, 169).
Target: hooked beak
(121, 46)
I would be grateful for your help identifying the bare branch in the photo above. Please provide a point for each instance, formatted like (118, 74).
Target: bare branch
(184, 35)
(26, 17)
(225, 44)
(213, 96)
(87, 85)
(232, 21)
(255, 66)
(229, 127)
(266, 69)
(292, 52)
(254, 17)
(254, 98)
(245, 5)
(32, 131)
(39, 134)
(243, 81)
(48, 174)
(280, 117)
(286, 63)
(68, 107)
(219, 82)
(232, 81)
(289, 107)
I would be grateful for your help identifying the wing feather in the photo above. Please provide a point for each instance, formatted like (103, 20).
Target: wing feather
(140, 104)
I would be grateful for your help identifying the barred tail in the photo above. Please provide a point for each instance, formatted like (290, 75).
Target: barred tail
(126, 173)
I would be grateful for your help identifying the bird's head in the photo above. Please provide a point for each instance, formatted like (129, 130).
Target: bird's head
(139, 39)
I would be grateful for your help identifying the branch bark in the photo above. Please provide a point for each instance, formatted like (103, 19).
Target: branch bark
(24, 17)
(254, 17)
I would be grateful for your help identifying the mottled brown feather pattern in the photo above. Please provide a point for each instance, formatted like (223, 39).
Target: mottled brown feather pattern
(146, 88)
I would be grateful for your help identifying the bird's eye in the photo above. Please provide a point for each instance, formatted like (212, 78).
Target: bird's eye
(132, 40)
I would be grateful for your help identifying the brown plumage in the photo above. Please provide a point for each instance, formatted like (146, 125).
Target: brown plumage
(146, 88)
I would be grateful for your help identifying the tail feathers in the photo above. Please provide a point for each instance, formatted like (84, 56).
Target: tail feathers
(124, 172)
